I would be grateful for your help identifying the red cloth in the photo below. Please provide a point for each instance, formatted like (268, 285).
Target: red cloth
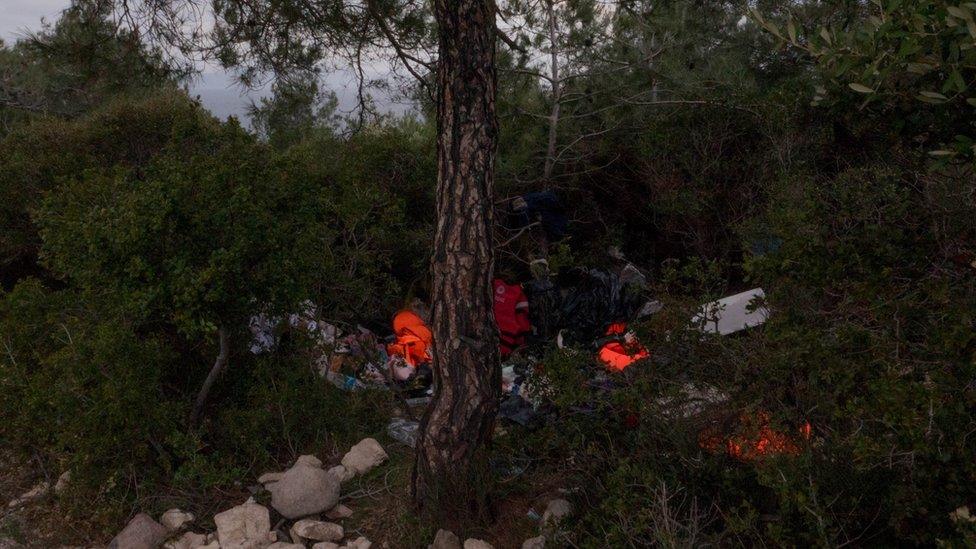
(617, 355)
(511, 315)
(413, 338)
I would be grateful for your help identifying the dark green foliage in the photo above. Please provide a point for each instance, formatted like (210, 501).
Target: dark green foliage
(157, 224)
(196, 237)
(686, 138)
(80, 62)
(374, 194)
(46, 152)
(83, 391)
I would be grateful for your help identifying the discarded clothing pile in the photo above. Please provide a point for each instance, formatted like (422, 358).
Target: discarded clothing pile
(357, 362)
(584, 302)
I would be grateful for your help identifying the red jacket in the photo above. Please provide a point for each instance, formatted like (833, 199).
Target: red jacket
(511, 315)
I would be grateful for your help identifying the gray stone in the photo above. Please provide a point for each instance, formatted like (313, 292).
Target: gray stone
(316, 530)
(341, 473)
(175, 520)
(538, 542)
(364, 456)
(338, 512)
(283, 545)
(325, 545)
(189, 540)
(304, 491)
(142, 532)
(309, 460)
(37, 492)
(268, 478)
(445, 539)
(62, 483)
(556, 511)
(246, 526)
(359, 543)
(472, 543)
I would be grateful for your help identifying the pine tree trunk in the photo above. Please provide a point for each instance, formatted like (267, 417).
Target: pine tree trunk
(451, 474)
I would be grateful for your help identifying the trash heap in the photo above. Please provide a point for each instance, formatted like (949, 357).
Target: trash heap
(583, 308)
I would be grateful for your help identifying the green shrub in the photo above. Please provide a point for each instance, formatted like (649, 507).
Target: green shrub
(84, 392)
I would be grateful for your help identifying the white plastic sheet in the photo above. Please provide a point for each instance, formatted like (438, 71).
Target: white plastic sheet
(733, 313)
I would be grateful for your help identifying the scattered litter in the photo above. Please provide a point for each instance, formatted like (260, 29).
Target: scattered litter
(694, 399)
(595, 298)
(650, 308)
(344, 382)
(404, 431)
(733, 313)
(266, 331)
(418, 401)
(262, 329)
(517, 409)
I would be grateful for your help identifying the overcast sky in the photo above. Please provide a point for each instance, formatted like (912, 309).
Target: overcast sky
(216, 89)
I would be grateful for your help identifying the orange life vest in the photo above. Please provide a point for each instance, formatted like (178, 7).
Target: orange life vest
(617, 355)
(413, 338)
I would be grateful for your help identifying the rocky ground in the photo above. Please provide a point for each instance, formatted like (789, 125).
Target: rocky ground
(299, 508)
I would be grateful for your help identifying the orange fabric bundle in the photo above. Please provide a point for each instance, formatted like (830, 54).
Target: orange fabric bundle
(413, 338)
(618, 355)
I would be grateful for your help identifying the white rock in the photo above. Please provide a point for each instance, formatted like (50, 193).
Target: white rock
(316, 530)
(362, 457)
(556, 511)
(341, 473)
(538, 542)
(174, 519)
(338, 512)
(62, 483)
(472, 543)
(37, 492)
(246, 526)
(304, 491)
(359, 543)
(309, 460)
(325, 545)
(142, 532)
(283, 545)
(268, 478)
(189, 540)
(445, 539)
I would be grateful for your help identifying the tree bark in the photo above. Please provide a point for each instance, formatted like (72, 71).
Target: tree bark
(219, 364)
(451, 476)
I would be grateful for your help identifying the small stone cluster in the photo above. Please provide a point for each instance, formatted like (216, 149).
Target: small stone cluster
(303, 494)
(556, 511)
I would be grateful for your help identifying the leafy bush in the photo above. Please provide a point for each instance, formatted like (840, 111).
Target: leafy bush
(156, 225)
(84, 391)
